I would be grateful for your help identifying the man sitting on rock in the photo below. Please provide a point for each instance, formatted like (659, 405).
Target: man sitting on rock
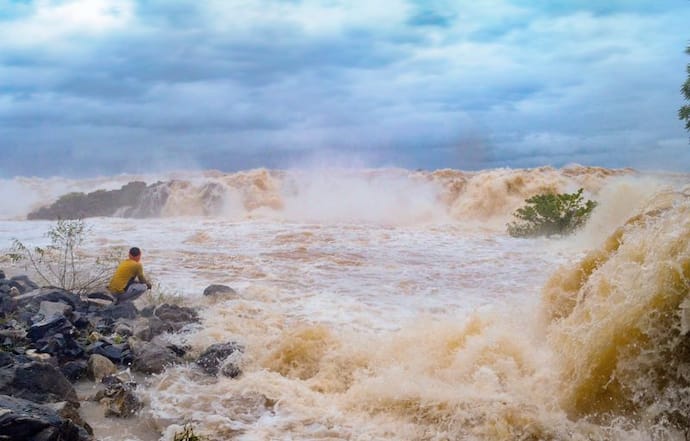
(128, 282)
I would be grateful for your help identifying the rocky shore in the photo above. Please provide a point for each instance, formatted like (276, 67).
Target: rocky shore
(51, 338)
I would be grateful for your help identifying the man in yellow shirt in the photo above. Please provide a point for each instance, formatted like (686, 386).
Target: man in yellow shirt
(128, 282)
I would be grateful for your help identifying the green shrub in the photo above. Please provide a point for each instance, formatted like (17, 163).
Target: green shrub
(549, 213)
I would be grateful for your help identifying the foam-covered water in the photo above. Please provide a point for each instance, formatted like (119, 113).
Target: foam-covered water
(390, 304)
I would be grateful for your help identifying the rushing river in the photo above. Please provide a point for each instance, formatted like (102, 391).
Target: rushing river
(392, 305)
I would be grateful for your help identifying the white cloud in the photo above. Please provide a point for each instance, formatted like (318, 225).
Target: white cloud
(54, 22)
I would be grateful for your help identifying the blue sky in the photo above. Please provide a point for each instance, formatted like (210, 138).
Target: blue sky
(91, 87)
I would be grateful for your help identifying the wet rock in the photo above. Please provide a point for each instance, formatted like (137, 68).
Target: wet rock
(48, 327)
(50, 309)
(123, 328)
(99, 367)
(220, 291)
(213, 357)
(2, 274)
(124, 310)
(24, 284)
(32, 299)
(36, 381)
(61, 346)
(117, 353)
(176, 317)
(22, 420)
(70, 412)
(119, 399)
(153, 358)
(8, 304)
(75, 370)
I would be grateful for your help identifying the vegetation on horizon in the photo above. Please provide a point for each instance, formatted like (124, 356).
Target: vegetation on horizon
(549, 213)
(684, 112)
(62, 263)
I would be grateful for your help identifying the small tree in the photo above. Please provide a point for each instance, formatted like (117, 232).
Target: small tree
(62, 263)
(550, 213)
(684, 112)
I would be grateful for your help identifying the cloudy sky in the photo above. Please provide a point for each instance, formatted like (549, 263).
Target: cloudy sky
(94, 87)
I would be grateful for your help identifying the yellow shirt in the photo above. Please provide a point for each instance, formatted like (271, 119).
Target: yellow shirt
(126, 271)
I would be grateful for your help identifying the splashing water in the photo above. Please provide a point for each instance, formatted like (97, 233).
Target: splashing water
(388, 304)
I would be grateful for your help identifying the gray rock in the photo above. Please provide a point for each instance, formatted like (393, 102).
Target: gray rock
(99, 367)
(213, 357)
(68, 411)
(23, 420)
(33, 299)
(75, 370)
(175, 317)
(153, 358)
(36, 381)
(220, 290)
(50, 309)
(2, 274)
(8, 304)
(119, 399)
(25, 284)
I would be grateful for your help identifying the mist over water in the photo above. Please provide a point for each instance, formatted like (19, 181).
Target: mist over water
(388, 304)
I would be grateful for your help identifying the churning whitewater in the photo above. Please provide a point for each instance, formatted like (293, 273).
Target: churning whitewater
(389, 304)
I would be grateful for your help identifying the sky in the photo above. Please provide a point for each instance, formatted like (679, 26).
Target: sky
(94, 87)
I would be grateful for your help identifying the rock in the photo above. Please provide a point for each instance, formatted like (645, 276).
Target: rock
(50, 309)
(153, 358)
(134, 199)
(49, 327)
(75, 370)
(220, 290)
(124, 310)
(123, 328)
(2, 274)
(99, 367)
(36, 381)
(102, 295)
(61, 346)
(117, 353)
(24, 283)
(33, 299)
(70, 412)
(22, 420)
(212, 358)
(119, 399)
(8, 304)
(176, 316)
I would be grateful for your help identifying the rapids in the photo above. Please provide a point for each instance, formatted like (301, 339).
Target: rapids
(391, 304)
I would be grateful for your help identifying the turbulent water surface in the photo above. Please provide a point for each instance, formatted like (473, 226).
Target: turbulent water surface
(391, 304)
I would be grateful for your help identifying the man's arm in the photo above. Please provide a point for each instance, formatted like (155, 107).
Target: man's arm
(141, 278)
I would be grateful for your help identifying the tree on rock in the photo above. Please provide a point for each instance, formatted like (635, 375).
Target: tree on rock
(550, 213)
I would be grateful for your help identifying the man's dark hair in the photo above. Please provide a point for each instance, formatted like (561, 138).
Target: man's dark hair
(134, 251)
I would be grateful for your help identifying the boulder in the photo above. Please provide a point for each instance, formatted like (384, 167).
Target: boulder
(99, 367)
(69, 411)
(153, 358)
(124, 310)
(49, 327)
(176, 317)
(36, 381)
(8, 304)
(119, 399)
(117, 353)
(220, 291)
(24, 284)
(49, 309)
(23, 420)
(33, 299)
(212, 358)
(123, 328)
(75, 370)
